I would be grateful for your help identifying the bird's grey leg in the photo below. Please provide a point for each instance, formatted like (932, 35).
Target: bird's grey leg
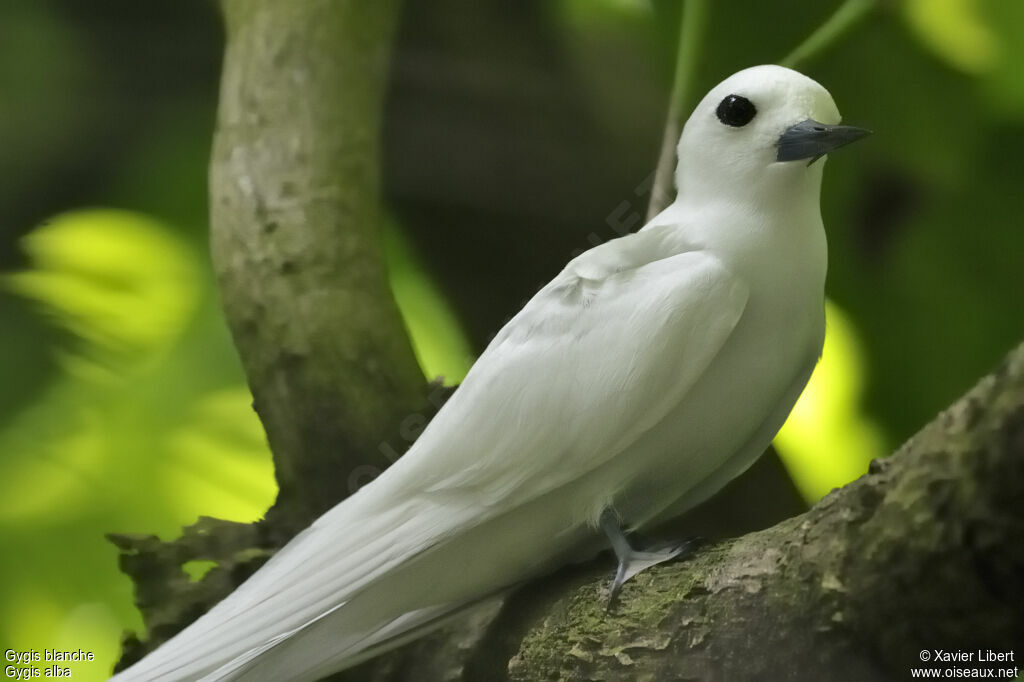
(632, 561)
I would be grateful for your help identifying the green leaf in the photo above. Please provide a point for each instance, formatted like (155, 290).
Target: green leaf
(441, 346)
(116, 279)
(956, 31)
(145, 424)
(828, 440)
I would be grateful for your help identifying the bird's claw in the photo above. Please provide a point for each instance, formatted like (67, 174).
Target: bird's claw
(632, 561)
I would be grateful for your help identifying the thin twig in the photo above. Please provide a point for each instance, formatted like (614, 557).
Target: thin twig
(691, 34)
(849, 14)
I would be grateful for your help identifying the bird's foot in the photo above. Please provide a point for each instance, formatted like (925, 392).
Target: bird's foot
(632, 561)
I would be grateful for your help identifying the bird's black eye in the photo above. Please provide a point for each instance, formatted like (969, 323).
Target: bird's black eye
(736, 111)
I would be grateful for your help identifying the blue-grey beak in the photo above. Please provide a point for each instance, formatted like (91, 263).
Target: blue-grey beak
(812, 140)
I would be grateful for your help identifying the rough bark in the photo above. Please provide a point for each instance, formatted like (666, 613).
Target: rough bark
(295, 211)
(295, 206)
(924, 552)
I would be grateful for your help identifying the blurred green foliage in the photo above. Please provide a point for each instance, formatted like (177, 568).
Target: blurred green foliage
(123, 406)
(830, 414)
(144, 425)
(438, 340)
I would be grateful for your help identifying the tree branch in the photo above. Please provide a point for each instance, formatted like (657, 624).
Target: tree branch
(295, 214)
(848, 16)
(691, 37)
(926, 551)
(294, 229)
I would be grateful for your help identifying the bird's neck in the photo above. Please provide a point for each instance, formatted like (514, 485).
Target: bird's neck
(758, 223)
(779, 188)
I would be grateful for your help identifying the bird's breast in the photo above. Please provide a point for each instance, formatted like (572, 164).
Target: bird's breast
(733, 410)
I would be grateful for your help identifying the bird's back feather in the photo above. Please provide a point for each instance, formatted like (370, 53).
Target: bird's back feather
(504, 479)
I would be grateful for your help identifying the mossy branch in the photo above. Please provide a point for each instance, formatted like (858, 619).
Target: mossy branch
(926, 551)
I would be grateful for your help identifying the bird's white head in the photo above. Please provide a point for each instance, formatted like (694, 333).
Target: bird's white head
(756, 136)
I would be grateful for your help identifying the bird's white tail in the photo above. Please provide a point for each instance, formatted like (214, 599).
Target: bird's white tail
(349, 600)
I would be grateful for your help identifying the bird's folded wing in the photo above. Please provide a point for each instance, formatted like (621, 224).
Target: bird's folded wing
(588, 366)
(592, 362)
(578, 375)
(595, 359)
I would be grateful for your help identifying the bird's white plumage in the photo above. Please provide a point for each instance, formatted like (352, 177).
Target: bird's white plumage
(649, 371)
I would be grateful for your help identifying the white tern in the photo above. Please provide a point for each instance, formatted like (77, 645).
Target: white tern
(648, 373)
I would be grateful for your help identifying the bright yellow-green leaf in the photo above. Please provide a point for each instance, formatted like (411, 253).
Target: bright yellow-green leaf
(89, 626)
(441, 346)
(218, 464)
(93, 628)
(48, 470)
(33, 612)
(197, 569)
(828, 440)
(146, 425)
(117, 279)
(956, 31)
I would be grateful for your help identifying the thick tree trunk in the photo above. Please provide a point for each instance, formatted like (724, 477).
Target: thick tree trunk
(295, 212)
(295, 203)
